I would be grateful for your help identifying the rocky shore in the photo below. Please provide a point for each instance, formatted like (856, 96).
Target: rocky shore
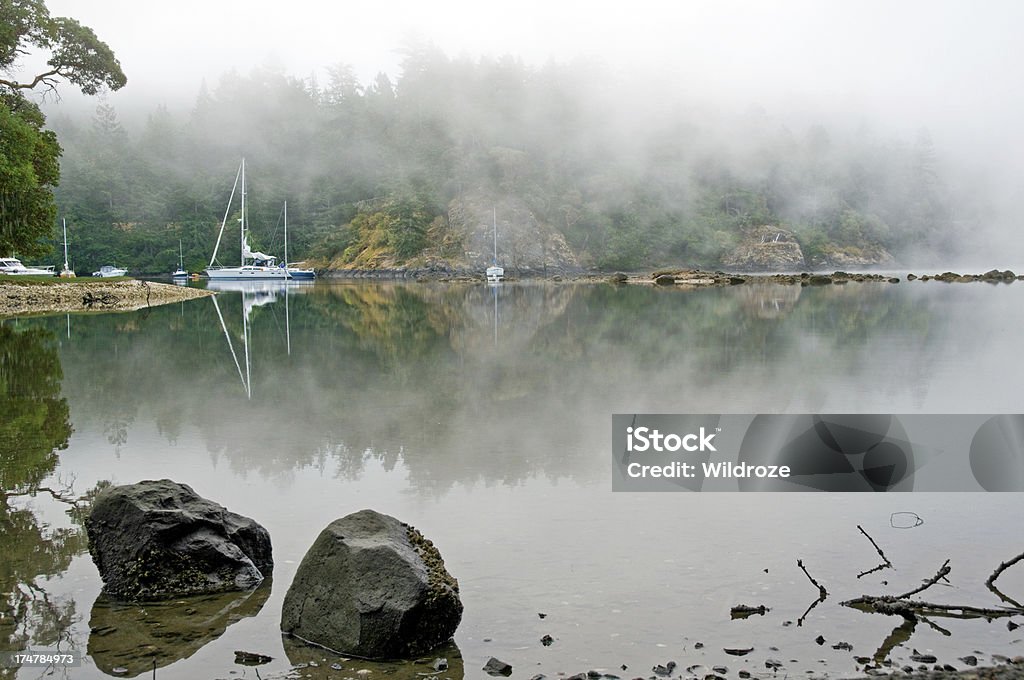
(698, 278)
(19, 298)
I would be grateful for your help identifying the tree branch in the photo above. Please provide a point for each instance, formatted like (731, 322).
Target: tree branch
(822, 593)
(46, 78)
(991, 581)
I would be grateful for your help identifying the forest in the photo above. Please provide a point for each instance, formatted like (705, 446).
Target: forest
(619, 173)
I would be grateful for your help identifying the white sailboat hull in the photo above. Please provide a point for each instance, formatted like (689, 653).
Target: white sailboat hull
(249, 272)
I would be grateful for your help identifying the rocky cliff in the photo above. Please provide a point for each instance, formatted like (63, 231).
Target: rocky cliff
(766, 248)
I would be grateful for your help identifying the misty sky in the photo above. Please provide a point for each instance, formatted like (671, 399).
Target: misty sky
(949, 66)
(930, 55)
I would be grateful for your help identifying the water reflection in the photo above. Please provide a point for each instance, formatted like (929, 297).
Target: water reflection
(142, 637)
(436, 375)
(34, 427)
(484, 415)
(319, 664)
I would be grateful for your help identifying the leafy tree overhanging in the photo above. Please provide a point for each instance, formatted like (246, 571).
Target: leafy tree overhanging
(29, 154)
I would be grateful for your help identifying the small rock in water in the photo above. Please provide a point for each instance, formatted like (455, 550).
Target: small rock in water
(1010, 625)
(664, 670)
(744, 674)
(542, 615)
(738, 651)
(497, 667)
(539, 676)
(917, 657)
(970, 660)
(593, 673)
(843, 646)
(698, 645)
(772, 664)
(820, 639)
(721, 670)
(440, 664)
(547, 640)
(742, 611)
(251, 658)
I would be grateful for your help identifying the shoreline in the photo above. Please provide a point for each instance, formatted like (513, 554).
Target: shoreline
(39, 297)
(27, 298)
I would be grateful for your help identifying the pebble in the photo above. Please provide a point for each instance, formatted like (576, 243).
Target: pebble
(497, 667)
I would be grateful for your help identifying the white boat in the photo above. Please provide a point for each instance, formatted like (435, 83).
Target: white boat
(67, 272)
(495, 273)
(254, 265)
(12, 266)
(180, 272)
(298, 273)
(108, 271)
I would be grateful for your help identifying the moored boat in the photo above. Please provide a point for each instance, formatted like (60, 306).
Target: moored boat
(109, 271)
(254, 264)
(12, 266)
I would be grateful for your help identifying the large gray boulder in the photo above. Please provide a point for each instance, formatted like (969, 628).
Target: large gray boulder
(373, 587)
(157, 540)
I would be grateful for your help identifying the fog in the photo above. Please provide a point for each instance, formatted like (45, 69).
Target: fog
(944, 69)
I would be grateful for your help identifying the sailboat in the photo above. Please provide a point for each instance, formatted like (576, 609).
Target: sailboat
(494, 272)
(180, 273)
(254, 264)
(297, 273)
(66, 272)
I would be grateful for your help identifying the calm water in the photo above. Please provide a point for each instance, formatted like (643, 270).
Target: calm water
(482, 416)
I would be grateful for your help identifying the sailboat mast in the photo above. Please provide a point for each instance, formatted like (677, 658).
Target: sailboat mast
(494, 218)
(243, 214)
(286, 235)
(66, 267)
(227, 211)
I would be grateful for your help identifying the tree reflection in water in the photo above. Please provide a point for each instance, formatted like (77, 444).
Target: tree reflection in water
(35, 426)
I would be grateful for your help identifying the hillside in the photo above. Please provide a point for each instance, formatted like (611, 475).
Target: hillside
(583, 168)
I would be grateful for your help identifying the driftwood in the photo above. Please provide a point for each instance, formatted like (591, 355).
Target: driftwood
(991, 581)
(914, 611)
(822, 593)
(91, 298)
(885, 564)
